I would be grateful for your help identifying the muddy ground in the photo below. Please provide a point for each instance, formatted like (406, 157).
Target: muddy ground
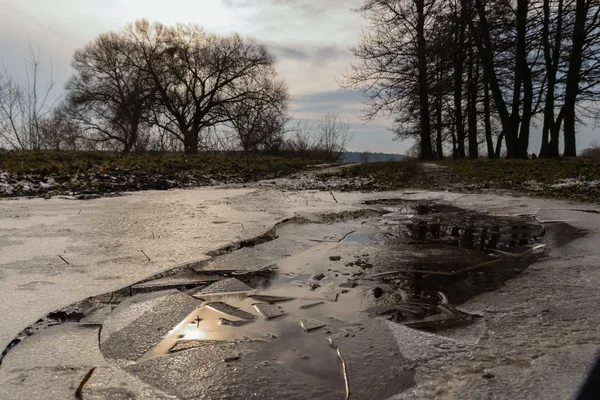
(88, 175)
(272, 292)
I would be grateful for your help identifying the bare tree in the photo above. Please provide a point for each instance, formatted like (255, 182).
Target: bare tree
(197, 75)
(61, 132)
(392, 66)
(553, 26)
(259, 121)
(303, 140)
(365, 156)
(500, 62)
(162, 141)
(24, 107)
(585, 49)
(110, 96)
(334, 135)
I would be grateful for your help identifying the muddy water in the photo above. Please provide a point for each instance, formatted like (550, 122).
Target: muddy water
(413, 265)
(282, 340)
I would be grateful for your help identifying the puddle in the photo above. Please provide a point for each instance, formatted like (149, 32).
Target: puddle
(367, 238)
(339, 275)
(419, 270)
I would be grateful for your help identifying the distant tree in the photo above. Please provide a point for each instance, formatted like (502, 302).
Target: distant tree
(61, 132)
(365, 156)
(333, 136)
(593, 151)
(414, 152)
(198, 76)
(303, 140)
(25, 106)
(259, 121)
(109, 95)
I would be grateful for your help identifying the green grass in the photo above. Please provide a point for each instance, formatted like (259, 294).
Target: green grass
(103, 172)
(521, 171)
(95, 172)
(535, 177)
(41, 163)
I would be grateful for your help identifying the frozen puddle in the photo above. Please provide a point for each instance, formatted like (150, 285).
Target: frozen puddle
(300, 314)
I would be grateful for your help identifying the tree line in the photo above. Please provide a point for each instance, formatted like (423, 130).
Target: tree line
(461, 75)
(164, 88)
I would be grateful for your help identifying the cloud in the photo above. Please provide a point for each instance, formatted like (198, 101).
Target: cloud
(373, 135)
(306, 21)
(317, 55)
(308, 8)
(339, 101)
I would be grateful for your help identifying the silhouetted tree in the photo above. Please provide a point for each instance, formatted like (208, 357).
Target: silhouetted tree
(365, 156)
(500, 63)
(259, 121)
(109, 95)
(197, 76)
(584, 60)
(392, 66)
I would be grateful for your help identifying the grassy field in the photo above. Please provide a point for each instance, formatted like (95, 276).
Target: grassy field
(51, 173)
(71, 162)
(511, 172)
(39, 173)
(575, 179)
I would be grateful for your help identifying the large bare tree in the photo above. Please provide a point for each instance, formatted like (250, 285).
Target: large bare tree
(109, 95)
(392, 65)
(583, 77)
(259, 121)
(197, 75)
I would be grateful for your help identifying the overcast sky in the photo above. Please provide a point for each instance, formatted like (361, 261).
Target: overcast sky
(310, 38)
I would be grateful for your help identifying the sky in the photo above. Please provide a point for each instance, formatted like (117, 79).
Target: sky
(311, 39)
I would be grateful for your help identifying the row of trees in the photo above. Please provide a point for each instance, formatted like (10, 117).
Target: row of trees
(164, 88)
(463, 73)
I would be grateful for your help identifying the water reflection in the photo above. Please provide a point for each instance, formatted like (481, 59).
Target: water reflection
(445, 257)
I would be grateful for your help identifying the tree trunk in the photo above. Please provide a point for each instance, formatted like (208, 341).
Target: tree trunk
(426, 150)
(499, 144)
(554, 151)
(472, 104)
(190, 144)
(439, 148)
(527, 109)
(551, 79)
(487, 119)
(132, 137)
(513, 148)
(453, 136)
(572, 88)
(484, 46)
(458, 82)
(549, 148)
(127, 146)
